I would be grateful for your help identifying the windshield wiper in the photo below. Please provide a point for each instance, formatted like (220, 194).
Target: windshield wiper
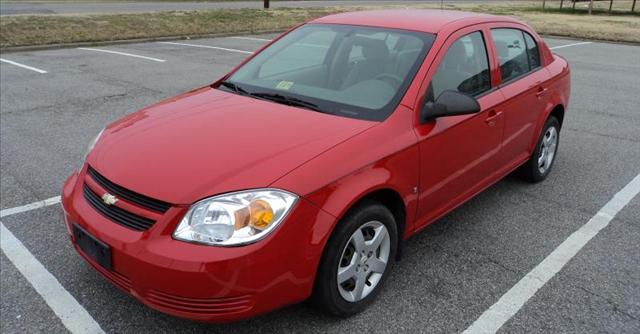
(278, 98)
(289, 100)
(234, 87)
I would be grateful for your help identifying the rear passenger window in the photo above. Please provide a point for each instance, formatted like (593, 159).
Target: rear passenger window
(532, 51)
(512, 53)
(464, 68)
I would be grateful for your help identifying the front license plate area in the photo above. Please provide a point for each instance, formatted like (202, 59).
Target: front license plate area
(92, 247)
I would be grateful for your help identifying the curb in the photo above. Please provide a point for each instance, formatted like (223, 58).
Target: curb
(131, 41)
(212, 35)
(590, 40)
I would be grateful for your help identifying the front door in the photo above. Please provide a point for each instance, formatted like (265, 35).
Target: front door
(457, 153)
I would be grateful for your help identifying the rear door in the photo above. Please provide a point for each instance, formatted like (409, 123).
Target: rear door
(457, 153)
(523, 82)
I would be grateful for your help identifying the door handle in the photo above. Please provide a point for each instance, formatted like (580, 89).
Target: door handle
(493, 117)
(541, 91)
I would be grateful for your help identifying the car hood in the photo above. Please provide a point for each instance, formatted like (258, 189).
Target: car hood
(208, 142)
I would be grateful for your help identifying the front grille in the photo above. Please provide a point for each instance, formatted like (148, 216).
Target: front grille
(116, 214)
(128, 195)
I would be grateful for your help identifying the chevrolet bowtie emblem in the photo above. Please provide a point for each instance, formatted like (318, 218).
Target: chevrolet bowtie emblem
(109, 199)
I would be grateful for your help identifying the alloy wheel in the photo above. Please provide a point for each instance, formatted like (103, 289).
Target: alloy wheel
(363, 261)
(547, 149)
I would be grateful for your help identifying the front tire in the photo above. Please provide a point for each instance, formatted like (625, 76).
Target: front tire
(537, 168)
(356, 260)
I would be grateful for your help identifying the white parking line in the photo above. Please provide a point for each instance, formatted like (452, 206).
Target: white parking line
(29, 207)
(67, 308)
(124, 54)
(512, 301)
(251, 38)
(23, 66)
(568, 45)
(207, 47)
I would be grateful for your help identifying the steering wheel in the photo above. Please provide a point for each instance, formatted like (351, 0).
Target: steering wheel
(396, 80)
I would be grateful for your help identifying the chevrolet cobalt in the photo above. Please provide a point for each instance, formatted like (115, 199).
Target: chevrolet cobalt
(300, 173)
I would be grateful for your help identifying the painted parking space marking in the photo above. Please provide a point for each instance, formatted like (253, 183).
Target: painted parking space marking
(207, 47)
(251, 38)
(568, 45)
(30, 206)
(124, 54)
(512, 301)
(73, 316)
(31, 68)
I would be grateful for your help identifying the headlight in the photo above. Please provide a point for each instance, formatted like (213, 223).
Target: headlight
(91, 145)
(236, 218)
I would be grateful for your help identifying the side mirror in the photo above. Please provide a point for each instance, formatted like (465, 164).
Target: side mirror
(449, 103)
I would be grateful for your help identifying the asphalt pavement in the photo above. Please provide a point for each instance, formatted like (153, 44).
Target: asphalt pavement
(450, 274)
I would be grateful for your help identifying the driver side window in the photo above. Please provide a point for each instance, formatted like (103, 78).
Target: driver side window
(464, 68)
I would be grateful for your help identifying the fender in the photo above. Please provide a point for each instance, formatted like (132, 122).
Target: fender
(371, 181)
(348, 172)
(340, 196)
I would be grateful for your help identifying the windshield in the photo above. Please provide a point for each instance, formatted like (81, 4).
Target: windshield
(350, 71)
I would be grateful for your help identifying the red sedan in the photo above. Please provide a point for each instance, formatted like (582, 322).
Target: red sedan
(301, 172)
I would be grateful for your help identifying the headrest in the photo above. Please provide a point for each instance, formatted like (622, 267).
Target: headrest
(372, 49)
(456, 56)
(502, 48)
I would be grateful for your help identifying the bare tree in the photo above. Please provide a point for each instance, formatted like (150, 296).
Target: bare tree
(590, 6)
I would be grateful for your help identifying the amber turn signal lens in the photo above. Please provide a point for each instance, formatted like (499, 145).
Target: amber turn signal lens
(261, 214)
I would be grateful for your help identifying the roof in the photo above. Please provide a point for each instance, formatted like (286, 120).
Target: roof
(424, 20)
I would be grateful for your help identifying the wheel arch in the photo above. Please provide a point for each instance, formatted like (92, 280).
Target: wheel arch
(556, 110)
(392, 200)
(558, 113)
(383, 194)
(391, 181)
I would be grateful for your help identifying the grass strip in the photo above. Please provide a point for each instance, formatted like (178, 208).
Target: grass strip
(32, 30)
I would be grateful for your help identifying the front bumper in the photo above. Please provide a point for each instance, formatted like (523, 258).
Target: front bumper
(200, 282)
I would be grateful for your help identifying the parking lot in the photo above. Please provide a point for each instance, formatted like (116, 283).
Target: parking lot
(451, 273)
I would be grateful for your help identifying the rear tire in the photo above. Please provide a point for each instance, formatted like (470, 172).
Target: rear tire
(538, 167)
(362, 249)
